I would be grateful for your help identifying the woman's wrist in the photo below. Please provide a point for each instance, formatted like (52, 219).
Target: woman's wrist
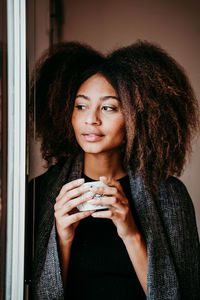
(64, 243)
(134, 238)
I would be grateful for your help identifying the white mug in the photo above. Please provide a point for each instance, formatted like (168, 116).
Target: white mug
(86, 205)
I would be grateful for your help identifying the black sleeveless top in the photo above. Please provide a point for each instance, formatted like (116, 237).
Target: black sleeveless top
(100, 268)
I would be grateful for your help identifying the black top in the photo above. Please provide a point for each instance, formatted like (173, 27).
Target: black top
(100, 267)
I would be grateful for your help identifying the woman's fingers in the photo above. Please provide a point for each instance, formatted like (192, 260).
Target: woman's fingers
(71, 204)
(111, 182)
(114, 188)
(104, 190)
(107, 214)
(65, 222)
(77, 201)
(70, 186)
(114, 195)
(66, 213)
(117, 203)
(70, 194)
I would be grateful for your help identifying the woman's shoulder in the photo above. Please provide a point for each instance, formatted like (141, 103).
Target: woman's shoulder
(173, 194)
(173, 184)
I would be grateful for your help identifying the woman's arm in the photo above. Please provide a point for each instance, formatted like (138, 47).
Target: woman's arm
(67, 219)
(64, 250)
(137, 251)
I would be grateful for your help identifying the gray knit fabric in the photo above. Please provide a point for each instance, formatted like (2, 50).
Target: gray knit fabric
(168, 226)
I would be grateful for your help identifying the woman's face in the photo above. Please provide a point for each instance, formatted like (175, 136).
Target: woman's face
(97, 117)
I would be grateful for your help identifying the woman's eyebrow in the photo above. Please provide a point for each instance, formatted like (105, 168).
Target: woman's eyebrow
(82, 96)
(108, 97)
(101, 98)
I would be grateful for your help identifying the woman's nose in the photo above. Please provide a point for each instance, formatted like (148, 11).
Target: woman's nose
(92, 118)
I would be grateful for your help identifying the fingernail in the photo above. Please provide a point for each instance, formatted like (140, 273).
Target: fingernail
(85, 187)
(82, 180)
(91, 201)
(103, 178)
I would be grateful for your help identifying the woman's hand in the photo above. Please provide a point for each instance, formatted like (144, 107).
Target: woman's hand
(66, 213)
(119, 211)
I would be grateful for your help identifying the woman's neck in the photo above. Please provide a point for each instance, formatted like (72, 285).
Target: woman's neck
(109, 165)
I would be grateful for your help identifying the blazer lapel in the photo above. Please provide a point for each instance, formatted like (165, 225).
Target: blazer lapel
(47, 280)
(161, 275)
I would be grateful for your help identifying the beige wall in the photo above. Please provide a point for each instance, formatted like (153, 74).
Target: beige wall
(106, 24)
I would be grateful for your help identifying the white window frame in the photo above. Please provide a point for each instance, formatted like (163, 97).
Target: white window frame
(16, 26)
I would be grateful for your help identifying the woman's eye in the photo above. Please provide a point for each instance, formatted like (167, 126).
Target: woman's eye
(80, 107)
(109, 108)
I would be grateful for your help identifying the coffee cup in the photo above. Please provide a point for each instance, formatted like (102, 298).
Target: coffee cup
(86, 205)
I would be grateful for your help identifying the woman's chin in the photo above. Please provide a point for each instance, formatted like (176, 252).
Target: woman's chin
(92, 150)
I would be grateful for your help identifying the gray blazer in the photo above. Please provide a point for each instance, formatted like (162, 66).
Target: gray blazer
(168, 226)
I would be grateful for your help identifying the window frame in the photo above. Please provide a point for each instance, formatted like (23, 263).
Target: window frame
(16, 148)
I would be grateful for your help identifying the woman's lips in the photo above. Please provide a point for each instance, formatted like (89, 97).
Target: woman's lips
(92, 137)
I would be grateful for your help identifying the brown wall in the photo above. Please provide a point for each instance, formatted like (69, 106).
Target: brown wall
(106, 24)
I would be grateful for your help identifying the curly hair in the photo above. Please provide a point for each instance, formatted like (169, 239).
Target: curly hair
(159, 105)
(54, 84)
(160, 108)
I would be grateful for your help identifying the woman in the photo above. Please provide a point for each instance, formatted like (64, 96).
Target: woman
(127, 120)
